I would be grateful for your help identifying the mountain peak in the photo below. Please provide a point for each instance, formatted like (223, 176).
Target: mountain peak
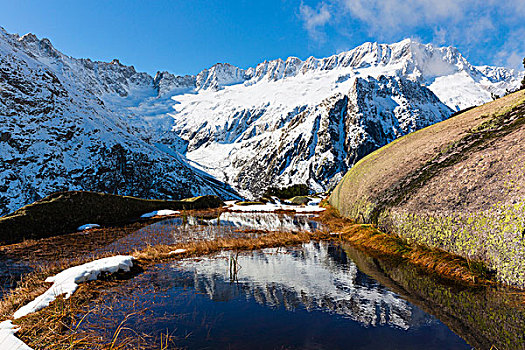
(116, 62)
(307, 109)
(218, 76)
(29, 37)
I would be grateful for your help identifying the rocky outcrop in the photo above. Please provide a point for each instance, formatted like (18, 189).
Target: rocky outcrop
(457, 186)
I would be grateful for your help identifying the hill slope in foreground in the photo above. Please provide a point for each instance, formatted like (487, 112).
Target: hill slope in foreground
(457, 185)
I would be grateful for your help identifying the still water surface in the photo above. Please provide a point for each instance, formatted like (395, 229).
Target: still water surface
(315, 296)
(308, 297)
(227, 224)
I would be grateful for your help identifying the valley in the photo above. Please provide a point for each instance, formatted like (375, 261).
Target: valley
(369, 199)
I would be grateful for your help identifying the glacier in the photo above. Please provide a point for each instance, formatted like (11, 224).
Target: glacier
(78, 124)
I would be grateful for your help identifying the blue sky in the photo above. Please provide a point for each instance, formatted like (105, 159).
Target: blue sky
(185, 37)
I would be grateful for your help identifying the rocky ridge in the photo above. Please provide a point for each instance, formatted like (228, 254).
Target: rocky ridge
(59, 132)
(71, 124)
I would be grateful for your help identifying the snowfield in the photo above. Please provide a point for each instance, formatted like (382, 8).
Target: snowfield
(79, 124)
(290, 121)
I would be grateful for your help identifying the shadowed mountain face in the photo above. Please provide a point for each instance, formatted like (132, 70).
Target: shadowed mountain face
(57, 133)
(77, 124)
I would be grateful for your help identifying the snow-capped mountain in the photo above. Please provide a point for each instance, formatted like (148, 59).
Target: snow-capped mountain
(434, 67)
(313, 277)
(294, 121)
(59, 130)
(71, 123)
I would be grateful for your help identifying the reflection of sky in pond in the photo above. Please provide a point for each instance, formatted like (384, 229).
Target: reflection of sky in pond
(311, 296)
(178, 229)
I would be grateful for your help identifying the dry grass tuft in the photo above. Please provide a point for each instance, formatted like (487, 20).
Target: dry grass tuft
(382, 245)
(250, 242)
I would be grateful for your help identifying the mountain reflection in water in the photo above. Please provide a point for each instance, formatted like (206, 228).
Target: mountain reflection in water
(311, 296)
(228, 224)
(317, 277)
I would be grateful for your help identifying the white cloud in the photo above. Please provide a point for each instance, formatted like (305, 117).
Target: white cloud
(384, 16)
(314, 19)
(514, 60)
(512, 51)
(487, 27)
(440, 36)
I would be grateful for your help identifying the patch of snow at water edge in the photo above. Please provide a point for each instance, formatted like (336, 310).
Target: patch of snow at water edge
(309, 209)
(8, 340)
(270, 207)
(87, 227)
(229, 203)
(66, 282)
(177, 251)
(164, 212)
(267, 221)
(314, 201)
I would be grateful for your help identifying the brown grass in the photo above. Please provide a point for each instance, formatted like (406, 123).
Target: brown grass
(71, 245)
(33, 284)
(256, 241)
(382, 245)
(55, 327)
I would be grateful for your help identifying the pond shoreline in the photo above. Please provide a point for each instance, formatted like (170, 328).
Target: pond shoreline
(441, 265)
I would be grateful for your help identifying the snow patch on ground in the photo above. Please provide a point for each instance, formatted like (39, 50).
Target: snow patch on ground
(87, 227)
(164, 212)
(177, 251)
(8, 340)
(278, 206)
(229, 203)
(314, 201)
(66, 282)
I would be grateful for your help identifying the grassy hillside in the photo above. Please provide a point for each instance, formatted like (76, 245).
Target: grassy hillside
(458, 185)
(65, 211)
